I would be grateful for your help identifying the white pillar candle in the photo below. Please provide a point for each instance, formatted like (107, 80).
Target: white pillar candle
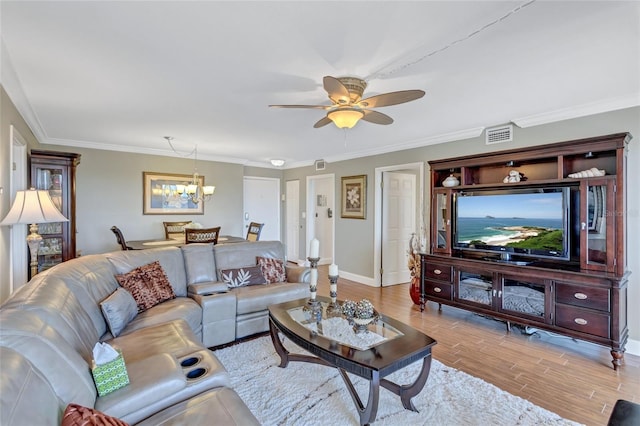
(333, 269)
(314, 249)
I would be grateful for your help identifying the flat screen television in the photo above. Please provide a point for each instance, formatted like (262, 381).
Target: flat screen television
(531, 222)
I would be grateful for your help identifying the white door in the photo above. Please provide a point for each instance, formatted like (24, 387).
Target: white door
(320, 214)
(398, 222)
(262, 205)
(293, 219)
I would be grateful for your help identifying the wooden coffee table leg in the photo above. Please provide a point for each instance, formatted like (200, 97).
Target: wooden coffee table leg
(406, 392)
(367, 412)
(286, 356)
(277, 344)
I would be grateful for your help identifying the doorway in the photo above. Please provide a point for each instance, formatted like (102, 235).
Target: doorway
(292, 214)
(399, 204)
(320, 215)
(261, 201)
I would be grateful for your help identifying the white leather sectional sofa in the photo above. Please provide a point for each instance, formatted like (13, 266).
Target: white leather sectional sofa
(49, 327)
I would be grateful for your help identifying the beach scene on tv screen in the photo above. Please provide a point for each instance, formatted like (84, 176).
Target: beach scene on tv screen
(531, 221)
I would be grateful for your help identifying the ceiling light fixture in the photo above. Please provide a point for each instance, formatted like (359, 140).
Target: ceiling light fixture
(195, 191)
(277, 162)
(345, 118)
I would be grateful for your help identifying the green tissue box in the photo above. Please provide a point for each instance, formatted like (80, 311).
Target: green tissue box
(110, 376)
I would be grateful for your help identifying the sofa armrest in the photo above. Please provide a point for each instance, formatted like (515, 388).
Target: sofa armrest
(298, 274)
(150, 380)
(206, 288)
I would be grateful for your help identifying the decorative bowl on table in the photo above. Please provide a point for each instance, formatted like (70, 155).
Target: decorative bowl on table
(359, 314)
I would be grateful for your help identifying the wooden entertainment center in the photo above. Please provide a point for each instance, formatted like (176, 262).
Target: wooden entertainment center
(581, 293)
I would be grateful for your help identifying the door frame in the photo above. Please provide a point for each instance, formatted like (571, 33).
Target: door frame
(377, 224)
(310, 207)
(292, 236)
(18, 252)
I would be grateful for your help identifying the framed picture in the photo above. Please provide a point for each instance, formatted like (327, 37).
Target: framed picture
(161, 195)
(354, 197)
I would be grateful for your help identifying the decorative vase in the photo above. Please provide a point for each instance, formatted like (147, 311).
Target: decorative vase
(414, 290)
(451, 181)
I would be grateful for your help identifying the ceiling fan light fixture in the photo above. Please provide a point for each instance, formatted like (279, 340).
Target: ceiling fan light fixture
(345, 118)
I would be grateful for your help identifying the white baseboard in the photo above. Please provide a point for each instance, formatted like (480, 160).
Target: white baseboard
(633, 347)
(358, 278)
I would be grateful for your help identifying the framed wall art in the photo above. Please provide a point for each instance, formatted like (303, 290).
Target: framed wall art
(163, 193)
(354, 197)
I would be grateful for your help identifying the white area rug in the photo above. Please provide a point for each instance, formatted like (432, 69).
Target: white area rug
(310, 394)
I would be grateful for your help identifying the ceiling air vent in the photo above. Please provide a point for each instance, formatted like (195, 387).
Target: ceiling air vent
(321, 165)
(499, 134)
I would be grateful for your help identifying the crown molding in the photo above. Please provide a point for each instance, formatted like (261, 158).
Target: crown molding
(598, 107)
(139, 150)
(417, 143)
(11, 83)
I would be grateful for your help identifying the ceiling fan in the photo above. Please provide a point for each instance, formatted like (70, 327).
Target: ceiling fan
(348, 107)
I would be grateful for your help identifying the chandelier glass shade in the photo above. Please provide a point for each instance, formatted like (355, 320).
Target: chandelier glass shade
(345, 118)
(194, 191)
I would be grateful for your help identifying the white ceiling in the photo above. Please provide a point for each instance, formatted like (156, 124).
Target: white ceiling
(121, 75)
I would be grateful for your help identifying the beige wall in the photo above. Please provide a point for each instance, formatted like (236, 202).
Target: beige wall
(354, 238)
(8, 116)
(109, 190)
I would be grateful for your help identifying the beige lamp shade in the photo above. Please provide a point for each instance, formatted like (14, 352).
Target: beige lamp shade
(33, 206)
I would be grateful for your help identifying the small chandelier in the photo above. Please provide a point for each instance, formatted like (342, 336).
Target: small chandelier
(194, 191)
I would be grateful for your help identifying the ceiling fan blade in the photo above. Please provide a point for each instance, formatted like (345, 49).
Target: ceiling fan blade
(302, 106)
(338, 93)
(393, 98)
(322, 122)
(376, 117)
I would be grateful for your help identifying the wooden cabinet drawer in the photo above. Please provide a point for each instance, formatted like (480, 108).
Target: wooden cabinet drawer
(438, 271)
(583, 320)
(436, 289)
(586, 297)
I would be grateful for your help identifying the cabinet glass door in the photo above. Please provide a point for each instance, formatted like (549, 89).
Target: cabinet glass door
(595, 224)
(523, 297)
(50, 251)
(441, 221)
(475, 287)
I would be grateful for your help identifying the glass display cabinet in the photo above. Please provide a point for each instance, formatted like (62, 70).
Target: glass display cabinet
(56, 172)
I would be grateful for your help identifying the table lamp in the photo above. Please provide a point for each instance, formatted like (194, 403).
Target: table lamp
(33, 207)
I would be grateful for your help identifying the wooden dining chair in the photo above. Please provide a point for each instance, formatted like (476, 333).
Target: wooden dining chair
(253, 233)
(120, 238)
(203, 235)
(174, 230)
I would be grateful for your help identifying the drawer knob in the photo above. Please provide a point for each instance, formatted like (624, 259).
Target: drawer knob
(437, 289)
(437, 271)
(580, 296)
(580, 321)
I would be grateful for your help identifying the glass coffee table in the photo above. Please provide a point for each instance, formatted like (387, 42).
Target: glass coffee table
(387, 346)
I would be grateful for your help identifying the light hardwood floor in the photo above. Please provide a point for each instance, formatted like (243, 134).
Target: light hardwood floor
(572, 378)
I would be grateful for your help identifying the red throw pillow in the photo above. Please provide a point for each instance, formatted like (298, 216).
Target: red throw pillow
(272, 269)
(148, 284)
(77, 415)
